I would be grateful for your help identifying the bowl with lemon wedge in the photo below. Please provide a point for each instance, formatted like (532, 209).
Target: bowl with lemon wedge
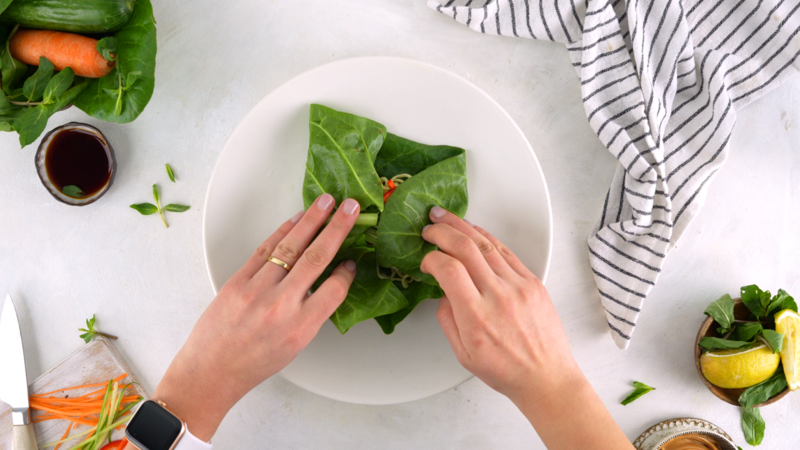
(747, 352)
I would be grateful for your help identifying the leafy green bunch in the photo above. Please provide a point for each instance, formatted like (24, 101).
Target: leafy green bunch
(757, 329)
(30, 95)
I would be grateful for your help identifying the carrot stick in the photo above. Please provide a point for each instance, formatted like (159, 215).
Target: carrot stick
(66, 433)
(62, 49)
(119, 378)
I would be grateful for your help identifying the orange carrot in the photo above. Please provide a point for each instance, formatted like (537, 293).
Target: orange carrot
(62, 49)
(66, 433)
(119, 378)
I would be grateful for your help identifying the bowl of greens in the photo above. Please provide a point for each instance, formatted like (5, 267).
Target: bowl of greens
(98, 55)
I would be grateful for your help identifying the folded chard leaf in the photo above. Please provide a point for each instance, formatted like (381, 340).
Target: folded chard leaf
(347, 156)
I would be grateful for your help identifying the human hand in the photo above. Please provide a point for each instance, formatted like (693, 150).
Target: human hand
(503, 328)
(261, 318)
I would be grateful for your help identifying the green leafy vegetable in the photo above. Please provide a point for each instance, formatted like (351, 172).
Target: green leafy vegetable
(753, 425)
(133, 79)
(722, 312)
(764, 391)
(415, 294)
(745, 331)
(147, 209)
(400, 155)
(781, 301)
(31, 122)
(73, 191)
(57, 85)
(12, 70)
(774, 339)
(170, 173)
(639, 390)
(107, 47)
(341, 150)
(756, 300)
(715, 343)
(33, 88)
(90, 332)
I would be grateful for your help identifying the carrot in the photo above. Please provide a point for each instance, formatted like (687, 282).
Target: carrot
(66, 433)
(62, 49)
(119, 378)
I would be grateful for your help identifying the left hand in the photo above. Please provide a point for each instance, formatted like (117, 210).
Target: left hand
(261, 319)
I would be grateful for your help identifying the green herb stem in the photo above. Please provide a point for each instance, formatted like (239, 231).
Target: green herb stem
(363, 219)
(24, 103)
(110, 336)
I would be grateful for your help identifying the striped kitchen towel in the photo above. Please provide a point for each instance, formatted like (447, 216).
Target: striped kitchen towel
(661, 82)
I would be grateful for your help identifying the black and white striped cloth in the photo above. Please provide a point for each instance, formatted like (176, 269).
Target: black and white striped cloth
(661, 82)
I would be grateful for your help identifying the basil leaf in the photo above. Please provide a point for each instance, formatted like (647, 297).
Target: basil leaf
(756, 300)
(107, 47)
(715, 343)
(721, 310)
(155, 193)
(34, 86)
(745, 331)
(145, 208)
(32, 121)
(73, 191)
(639, 390)
(764, 391)
(341, 150)
(782, 300)
(170, 173)
(58, 85)
(774, 338)
(172, 207)
(136, 53)
(753, 426)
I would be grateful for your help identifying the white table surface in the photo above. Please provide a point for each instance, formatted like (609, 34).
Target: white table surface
(216, 59)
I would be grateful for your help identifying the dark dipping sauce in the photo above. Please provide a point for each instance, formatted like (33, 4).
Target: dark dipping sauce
(77, 157)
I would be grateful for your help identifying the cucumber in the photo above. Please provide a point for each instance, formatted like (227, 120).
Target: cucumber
(77, 16)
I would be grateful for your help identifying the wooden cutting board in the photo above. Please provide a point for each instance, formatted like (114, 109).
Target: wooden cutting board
(94, 362)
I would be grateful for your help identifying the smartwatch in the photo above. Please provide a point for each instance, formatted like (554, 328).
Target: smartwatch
(154, 427)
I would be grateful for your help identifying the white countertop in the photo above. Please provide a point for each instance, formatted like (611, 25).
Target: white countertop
(217, 59)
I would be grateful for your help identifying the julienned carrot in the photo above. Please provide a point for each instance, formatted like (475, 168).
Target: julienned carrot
(66, 433)
(62, 49)
(119, 378)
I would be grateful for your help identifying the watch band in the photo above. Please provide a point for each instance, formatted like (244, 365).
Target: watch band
(190, 442)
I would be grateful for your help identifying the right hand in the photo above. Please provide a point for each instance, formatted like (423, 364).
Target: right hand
(496, 314)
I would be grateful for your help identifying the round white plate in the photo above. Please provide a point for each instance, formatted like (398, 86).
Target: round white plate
(257, 185)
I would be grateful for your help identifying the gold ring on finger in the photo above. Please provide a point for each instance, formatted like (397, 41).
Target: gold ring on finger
(277, 261)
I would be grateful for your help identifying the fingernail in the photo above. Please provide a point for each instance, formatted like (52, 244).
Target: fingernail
(297, 217)
(438, 212)
(325, 201)
(425, 228)
(350, 206)
(469, 223)
(350, 265)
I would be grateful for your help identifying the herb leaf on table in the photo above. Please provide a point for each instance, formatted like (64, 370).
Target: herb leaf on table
(753, 425)
(639, 390)
(721, 310)
(170, 173)
(764, 391)
(90, 332)
(147, 209)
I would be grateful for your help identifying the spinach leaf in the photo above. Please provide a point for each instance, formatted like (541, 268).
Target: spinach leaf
(745, 331)
(30, 122)
(34, 86)
(12, 70)
(108, 47)
(715, 343)
(756, 300)
(5, 106)
(400, 155)
(369, 296)
(781, 301)
(639, 390)
(400, 243)
(341, 149)
(764, 391)
(415, 293)
(136, 54)
(57, 85)
(753, 426)
(774, 339)
(722, 312)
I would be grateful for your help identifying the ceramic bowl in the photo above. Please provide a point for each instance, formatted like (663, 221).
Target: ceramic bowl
(660, 433)
(41, 153)
(709, 329)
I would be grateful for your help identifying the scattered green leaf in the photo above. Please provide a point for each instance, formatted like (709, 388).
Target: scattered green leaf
(721, 310)
(149, 208)
(172, 207)
(764, 391)
(170, 173)
(73, 191)
(145, 209)
(639, 390)
(753, 425)
(715, 343)
(90, 332)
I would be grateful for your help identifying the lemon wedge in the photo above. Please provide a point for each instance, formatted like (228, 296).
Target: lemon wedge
(787, 322)
(735, 369)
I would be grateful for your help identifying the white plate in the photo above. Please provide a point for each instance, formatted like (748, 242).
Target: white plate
(257, 185)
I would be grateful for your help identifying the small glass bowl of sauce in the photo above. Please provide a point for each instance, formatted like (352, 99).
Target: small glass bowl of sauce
(76, 163)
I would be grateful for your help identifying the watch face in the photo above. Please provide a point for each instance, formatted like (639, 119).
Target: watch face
(153, 427)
